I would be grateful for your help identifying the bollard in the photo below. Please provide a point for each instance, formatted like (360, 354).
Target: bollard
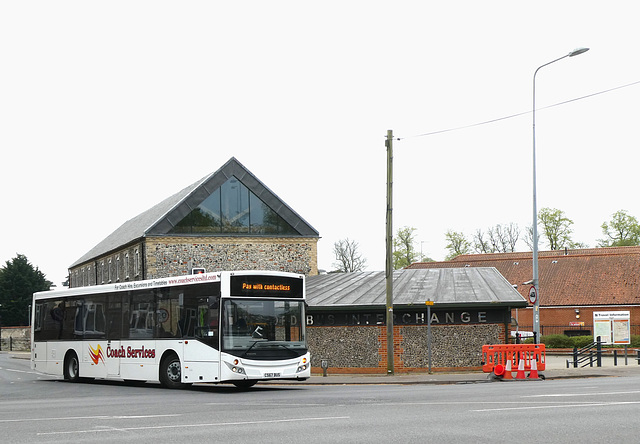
(615, 358)
(324, 363)
(626, 357)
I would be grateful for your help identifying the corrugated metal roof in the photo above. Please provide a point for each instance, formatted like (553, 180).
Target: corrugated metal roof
(443, 286)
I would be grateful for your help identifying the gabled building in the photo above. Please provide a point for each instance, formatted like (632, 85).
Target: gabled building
(573, 284)
(228, 220)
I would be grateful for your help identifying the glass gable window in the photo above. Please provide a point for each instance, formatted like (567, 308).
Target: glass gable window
(233, 208)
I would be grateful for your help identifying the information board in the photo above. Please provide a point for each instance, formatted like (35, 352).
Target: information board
(613, 327)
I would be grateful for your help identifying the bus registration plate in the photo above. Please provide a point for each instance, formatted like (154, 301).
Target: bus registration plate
(272, 375)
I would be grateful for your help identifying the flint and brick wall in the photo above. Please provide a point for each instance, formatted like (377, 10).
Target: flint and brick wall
(120, 266)
(363, 349)
(172, 256)
(175, 256)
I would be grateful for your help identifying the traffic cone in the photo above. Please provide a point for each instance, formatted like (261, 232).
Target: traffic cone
(534, 370)
(507, 371)
(520, 374)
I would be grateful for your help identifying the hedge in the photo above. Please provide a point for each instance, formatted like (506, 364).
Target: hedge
(563, 341)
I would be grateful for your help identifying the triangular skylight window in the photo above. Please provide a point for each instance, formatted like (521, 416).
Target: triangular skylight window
(233, 209)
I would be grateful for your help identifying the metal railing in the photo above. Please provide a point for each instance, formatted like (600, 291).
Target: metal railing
(586, 355)
(572, 330)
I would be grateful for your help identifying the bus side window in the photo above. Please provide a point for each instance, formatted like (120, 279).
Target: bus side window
(141, 316)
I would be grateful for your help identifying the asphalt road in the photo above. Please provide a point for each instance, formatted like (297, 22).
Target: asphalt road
(36, 408)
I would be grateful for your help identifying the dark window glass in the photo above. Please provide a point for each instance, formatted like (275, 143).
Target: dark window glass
(91, 316)
(115, 326)
(266, 221)
(199, 311)
(204, 219)
(142, 315)
(232, 208)
(190, 311)
(55, 319)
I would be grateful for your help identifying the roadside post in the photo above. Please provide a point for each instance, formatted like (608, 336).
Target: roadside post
(429, 303)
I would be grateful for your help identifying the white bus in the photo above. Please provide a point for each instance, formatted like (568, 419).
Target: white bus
(238, 327)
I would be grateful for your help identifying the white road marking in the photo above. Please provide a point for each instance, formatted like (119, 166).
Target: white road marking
(74, 418)
(180, 426)
(557, 395)
(563, 406)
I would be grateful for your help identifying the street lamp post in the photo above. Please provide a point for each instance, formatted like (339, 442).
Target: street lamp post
(536, 303)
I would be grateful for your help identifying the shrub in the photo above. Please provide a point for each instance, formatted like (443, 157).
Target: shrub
(562, 341)
(581, 341)
(556, 341)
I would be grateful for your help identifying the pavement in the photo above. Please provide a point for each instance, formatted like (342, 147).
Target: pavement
(555, 368)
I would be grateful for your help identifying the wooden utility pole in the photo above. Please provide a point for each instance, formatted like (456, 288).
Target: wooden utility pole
(389, 252)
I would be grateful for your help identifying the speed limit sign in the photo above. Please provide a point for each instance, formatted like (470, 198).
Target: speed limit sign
(533, 294)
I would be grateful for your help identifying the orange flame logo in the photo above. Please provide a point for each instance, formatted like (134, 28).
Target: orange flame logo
(96, 354)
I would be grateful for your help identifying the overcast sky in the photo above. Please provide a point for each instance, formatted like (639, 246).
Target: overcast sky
(107, 108)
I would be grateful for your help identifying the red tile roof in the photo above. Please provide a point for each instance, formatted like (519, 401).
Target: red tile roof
(598, 276)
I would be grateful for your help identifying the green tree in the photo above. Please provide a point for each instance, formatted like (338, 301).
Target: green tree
(556, 228)
(404, 253)
(457, 244)
(622, 230)
(348, 258)
(18, 281)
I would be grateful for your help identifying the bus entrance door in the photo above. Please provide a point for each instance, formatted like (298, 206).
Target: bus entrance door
(113, 362)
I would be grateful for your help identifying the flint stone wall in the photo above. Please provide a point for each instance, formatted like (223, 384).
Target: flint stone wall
(364, 347)
(172, 256)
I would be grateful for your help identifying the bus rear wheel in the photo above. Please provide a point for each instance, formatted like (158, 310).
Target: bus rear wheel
(71, 367)
(171, 372)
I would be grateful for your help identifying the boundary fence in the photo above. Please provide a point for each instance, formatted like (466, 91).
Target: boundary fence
(571, 330)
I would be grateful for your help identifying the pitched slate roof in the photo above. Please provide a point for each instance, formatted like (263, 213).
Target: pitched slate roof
(161, 218)
(451, 287)
(598, 276)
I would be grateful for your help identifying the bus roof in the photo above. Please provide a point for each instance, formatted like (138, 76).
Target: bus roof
(189, 279)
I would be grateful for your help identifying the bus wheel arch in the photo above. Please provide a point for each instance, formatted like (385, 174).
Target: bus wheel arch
(71, 368)
(170, 371)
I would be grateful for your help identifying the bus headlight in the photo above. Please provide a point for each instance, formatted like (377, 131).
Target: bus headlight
(302, 368)
(235, 368)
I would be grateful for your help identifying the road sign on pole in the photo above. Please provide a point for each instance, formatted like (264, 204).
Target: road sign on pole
(533, 294)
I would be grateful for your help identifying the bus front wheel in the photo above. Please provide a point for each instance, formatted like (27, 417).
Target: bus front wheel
(171, 372)
(245, 383)
(71, 367)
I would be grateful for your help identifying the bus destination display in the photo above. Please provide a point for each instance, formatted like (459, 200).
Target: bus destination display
(266, 286)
